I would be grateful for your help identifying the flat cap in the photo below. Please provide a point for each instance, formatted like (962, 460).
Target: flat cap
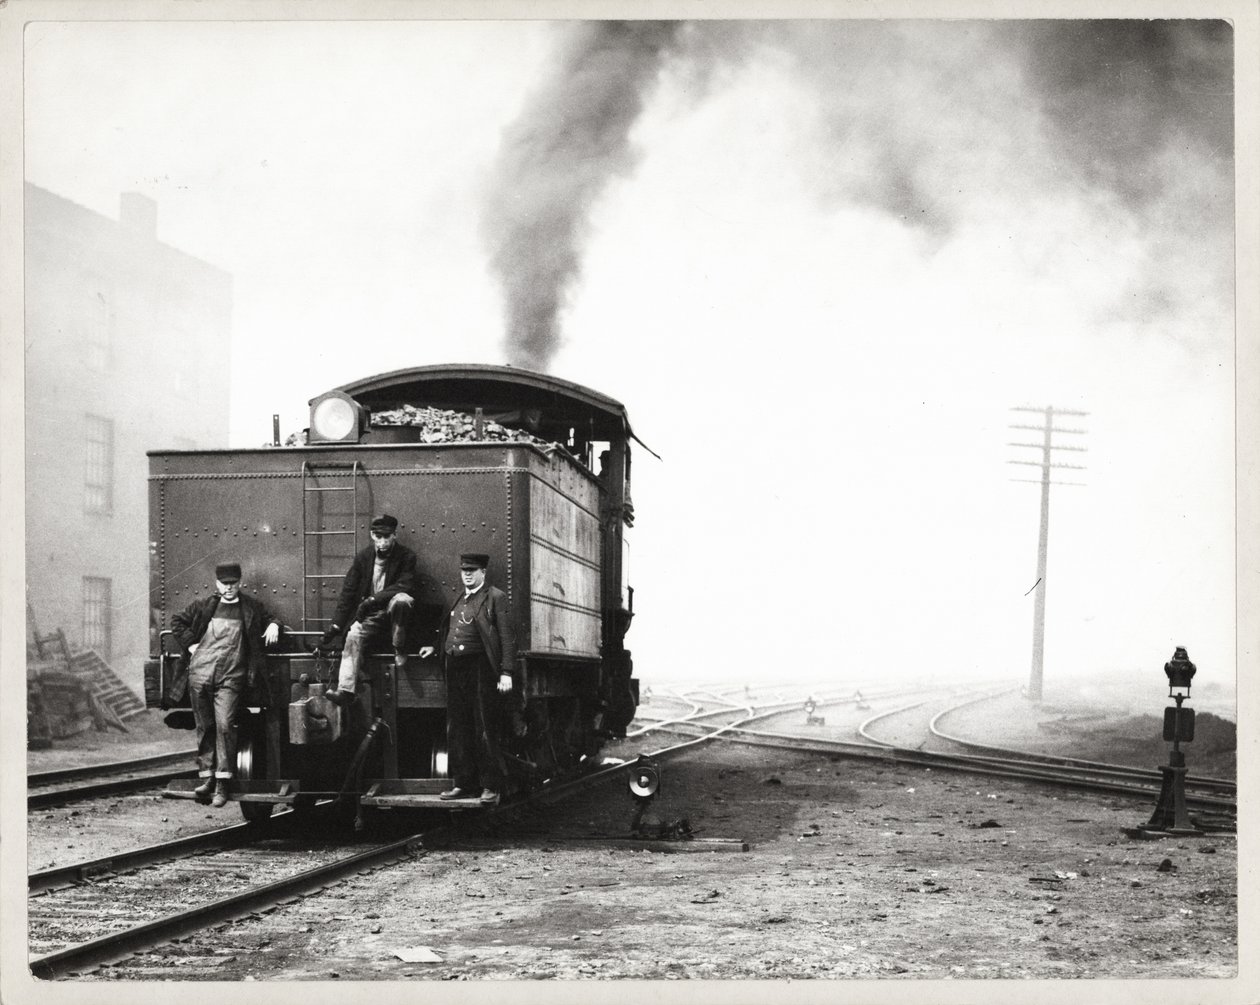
(384, 524)
(228, 572)
(473, 560)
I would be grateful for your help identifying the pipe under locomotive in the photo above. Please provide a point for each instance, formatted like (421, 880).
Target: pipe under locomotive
(535, 474)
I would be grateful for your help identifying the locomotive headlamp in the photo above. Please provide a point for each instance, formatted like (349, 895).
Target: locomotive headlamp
(337, 418)
(1180, 671)
(645, 779)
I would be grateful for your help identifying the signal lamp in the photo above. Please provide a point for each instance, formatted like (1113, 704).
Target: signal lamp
(645, 782)
(1180, 671)
(337, 418)
(645, 779)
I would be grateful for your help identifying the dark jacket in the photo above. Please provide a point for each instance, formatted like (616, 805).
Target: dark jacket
(493, 619)
(190, 624)
(400, 577)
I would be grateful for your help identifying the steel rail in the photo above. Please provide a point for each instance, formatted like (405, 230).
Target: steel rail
(1020, 764)
(752, 715)
(864, 726)
(960, 762)
(74, 959)
(1031, 761)
(1006, 754)
(57, 797)
(1102, 768)
(695, 709)
(822, 699)
(118, 945)
(109, 768)
(1078, 775)
(1059, 759)
(60, 877)
(223, 837)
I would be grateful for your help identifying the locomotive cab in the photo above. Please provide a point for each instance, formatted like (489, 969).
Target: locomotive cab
(524, 467)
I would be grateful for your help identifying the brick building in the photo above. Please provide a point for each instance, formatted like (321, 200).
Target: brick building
(127, 350)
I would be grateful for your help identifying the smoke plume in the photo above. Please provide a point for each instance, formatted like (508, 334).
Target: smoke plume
(1119, 132)
(1121, 127)
(572, 139)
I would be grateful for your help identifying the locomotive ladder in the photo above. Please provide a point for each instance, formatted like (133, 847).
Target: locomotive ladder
(313, 492)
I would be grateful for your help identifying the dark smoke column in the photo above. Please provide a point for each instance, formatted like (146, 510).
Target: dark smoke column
(570, 141)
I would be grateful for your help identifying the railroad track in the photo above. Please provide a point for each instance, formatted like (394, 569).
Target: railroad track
(1210, 794)
(67, 785)
(1214, 798)
(72, 928)
(108, 866)
(1198, 782)
(142, 898)
(250, 868)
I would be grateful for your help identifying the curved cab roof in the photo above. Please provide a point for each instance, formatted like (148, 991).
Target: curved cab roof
(559, 404)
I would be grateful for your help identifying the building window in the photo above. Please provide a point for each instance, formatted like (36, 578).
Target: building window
(98, 474)
(96, 615)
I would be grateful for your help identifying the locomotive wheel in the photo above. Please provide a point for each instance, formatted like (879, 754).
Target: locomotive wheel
(422, 750)
(249, 767)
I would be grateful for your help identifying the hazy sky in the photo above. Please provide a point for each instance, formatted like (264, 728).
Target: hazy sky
(819, 262)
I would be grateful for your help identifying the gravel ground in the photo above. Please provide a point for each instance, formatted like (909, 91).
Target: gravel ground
(147, 736)
(854, 871)
(94, 828)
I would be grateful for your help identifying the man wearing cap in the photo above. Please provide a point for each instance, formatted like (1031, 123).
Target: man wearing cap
(220, 637)
(376, 601)
(479, 652)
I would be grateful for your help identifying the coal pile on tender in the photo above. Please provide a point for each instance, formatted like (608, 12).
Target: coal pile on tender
(442, 425)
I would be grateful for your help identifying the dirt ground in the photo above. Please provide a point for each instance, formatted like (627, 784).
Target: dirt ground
(853, 870)
(147, 736)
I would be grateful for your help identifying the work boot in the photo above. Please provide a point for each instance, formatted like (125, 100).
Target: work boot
(489, 797)
(339, 697)
(220, 792)
(455, 793)
(202, 792)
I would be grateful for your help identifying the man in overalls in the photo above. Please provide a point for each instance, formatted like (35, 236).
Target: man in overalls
(222, 636)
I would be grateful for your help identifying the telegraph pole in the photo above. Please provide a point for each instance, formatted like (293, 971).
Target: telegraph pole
(1047, 444)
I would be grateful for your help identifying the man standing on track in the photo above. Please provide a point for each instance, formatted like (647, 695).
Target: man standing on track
(220, 636)
(479, 652)
(376, 600)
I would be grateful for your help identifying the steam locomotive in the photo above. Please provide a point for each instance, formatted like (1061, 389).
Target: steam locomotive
(535, 474)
